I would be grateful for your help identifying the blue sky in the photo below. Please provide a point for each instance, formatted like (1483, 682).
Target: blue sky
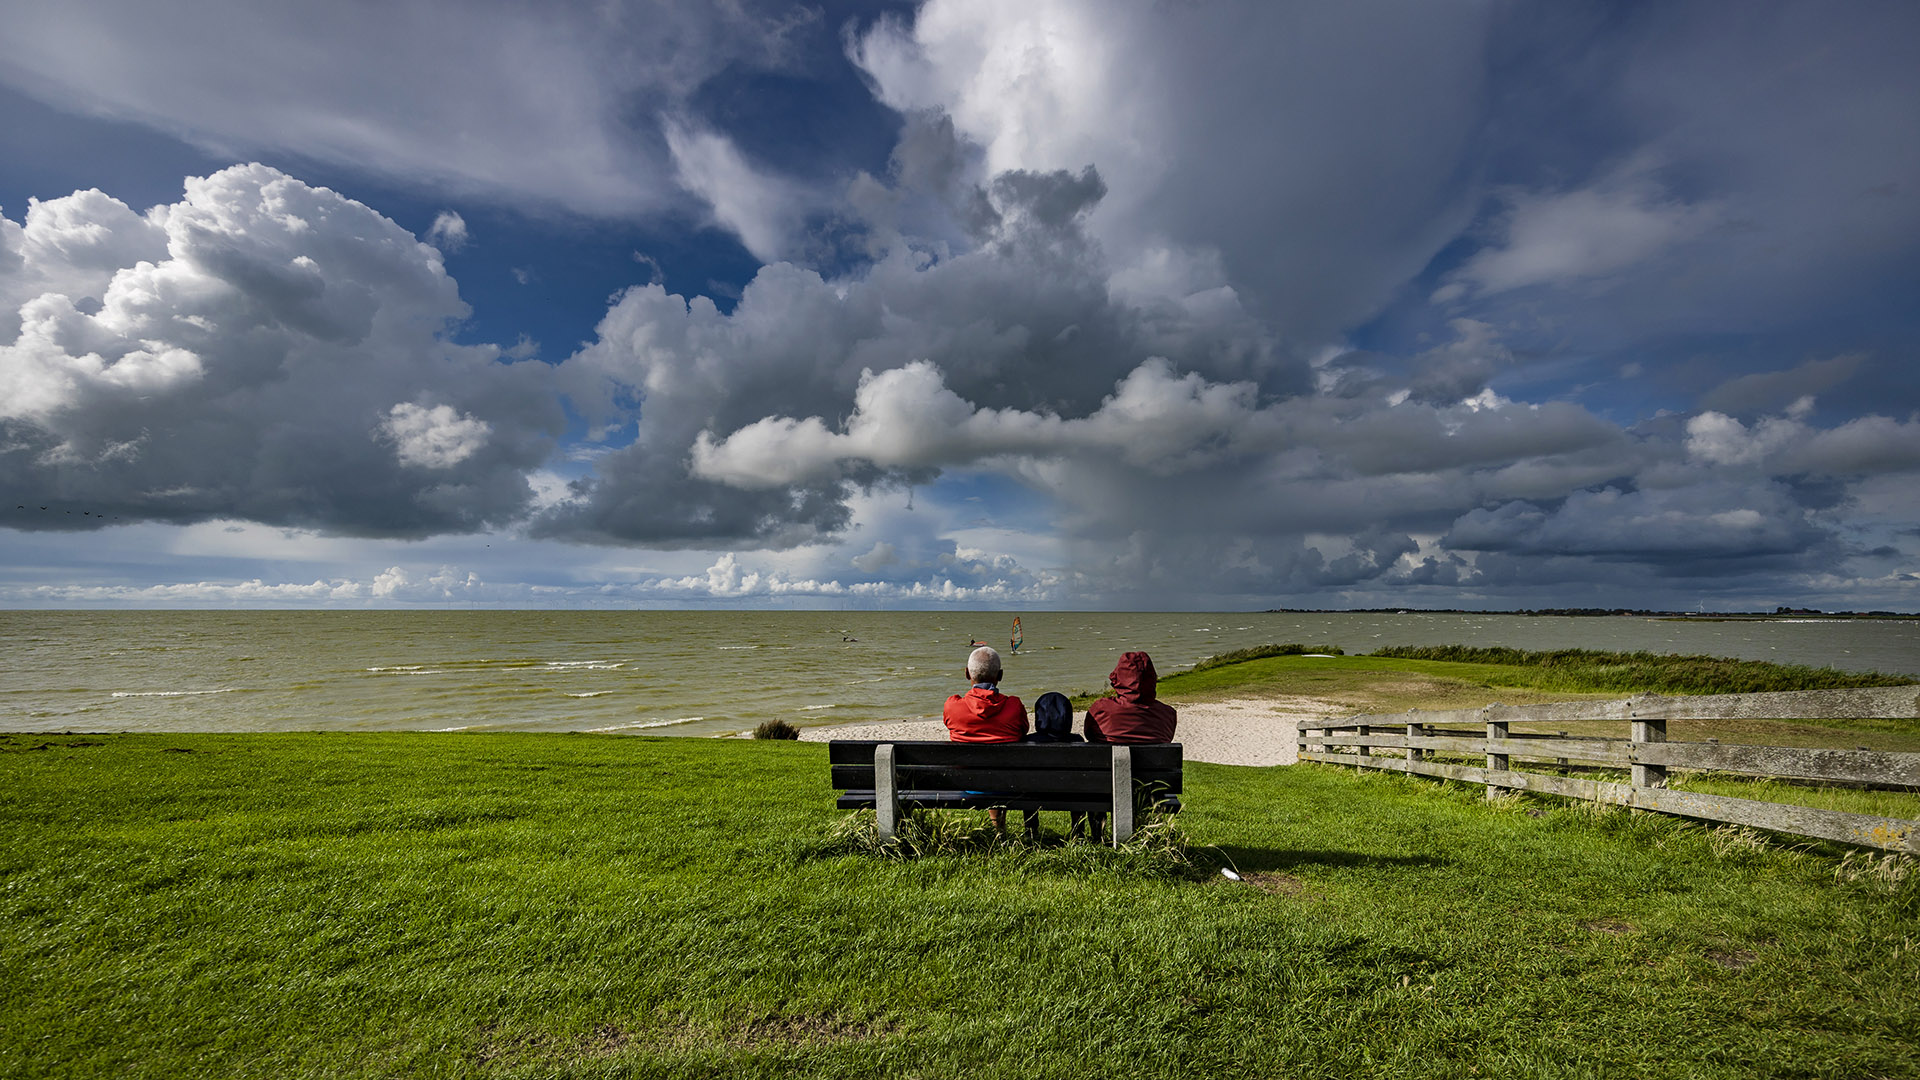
(1043, 304)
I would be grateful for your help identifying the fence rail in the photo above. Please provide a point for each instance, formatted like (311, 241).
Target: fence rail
(1647, 755)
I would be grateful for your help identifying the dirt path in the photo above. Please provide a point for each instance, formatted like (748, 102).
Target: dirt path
(1239, 731)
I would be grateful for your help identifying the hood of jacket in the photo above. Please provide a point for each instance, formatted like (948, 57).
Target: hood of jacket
(1134, 679)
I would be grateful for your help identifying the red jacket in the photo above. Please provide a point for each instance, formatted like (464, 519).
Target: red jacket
(1134, 715)
(982, 715)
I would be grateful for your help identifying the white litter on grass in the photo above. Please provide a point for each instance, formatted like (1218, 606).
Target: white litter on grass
(1228, 874)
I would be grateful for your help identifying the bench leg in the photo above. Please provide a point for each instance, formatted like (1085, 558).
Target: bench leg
(1095, 821)
(1033, 825)
(886, 806)
(1122, 795)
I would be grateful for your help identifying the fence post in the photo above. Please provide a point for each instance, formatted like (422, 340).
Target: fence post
(1496, 729)
(1413, 753)
(1360, 749)
(1648, 730)
(886, 802)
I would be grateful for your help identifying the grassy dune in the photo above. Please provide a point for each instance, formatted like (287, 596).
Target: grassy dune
(1383, 683)
(464, 905)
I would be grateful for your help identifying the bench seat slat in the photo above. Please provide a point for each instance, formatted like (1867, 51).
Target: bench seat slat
(953, 800)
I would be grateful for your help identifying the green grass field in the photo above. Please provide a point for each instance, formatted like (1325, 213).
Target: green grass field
(458, 905)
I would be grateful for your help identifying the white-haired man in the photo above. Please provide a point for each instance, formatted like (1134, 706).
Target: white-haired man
(983, 714)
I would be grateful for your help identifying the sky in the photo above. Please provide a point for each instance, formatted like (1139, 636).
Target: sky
(1083, 304)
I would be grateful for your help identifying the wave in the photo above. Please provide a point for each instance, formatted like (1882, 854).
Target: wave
(635, 725)
(171, 693)
(588, 665)
(815, 708)
(591, 693)
(407, 669)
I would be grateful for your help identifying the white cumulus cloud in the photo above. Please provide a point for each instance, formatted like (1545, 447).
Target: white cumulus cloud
(433, 438)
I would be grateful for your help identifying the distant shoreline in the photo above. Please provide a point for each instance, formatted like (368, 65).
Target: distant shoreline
(1779, 615)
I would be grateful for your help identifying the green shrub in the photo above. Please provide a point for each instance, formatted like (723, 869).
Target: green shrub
(1261, 652)
(776, 729)
(1646, 672)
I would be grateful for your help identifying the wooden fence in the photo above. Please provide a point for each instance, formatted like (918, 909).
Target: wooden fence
(1647, 755)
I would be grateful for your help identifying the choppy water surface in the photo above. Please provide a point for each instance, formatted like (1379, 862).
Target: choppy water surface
(708, 673)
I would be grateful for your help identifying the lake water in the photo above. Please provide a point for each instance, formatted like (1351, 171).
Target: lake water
(710, 673)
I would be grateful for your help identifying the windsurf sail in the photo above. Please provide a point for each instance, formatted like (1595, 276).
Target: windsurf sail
(1016, 633)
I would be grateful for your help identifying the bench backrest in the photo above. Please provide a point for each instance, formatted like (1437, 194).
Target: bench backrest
(1050, 768)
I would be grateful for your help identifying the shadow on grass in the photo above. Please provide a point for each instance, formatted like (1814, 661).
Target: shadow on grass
(1256, 858)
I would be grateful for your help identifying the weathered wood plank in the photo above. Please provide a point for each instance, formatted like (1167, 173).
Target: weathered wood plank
(1857, 766)
(1601, 751)
(1872, 702)
(1866, 830)
(1886, 769)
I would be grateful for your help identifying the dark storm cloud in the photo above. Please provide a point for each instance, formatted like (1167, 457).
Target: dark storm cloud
(1747, 176)
(555, 105)
(1317, 152)
(1775, 391)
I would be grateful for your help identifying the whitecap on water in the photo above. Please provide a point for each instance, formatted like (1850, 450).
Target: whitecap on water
(637, 724)
(171, 693)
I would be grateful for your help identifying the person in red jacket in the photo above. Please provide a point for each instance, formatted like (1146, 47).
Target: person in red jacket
(1133, 714)
(983, 714)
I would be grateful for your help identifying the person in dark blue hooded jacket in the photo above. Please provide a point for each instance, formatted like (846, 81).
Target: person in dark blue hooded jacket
(1053, 720)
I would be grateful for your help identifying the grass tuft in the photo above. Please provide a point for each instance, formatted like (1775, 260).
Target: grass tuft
(1890, 871)
(1159, 847)
(776, 729)
(1735, 841)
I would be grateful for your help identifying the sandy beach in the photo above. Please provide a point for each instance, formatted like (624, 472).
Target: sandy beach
(1240, 731)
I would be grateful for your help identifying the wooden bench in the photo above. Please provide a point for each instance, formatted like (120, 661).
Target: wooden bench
(1080, 778)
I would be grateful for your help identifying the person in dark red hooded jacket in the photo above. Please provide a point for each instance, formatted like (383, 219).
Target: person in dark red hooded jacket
(1133, 714)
